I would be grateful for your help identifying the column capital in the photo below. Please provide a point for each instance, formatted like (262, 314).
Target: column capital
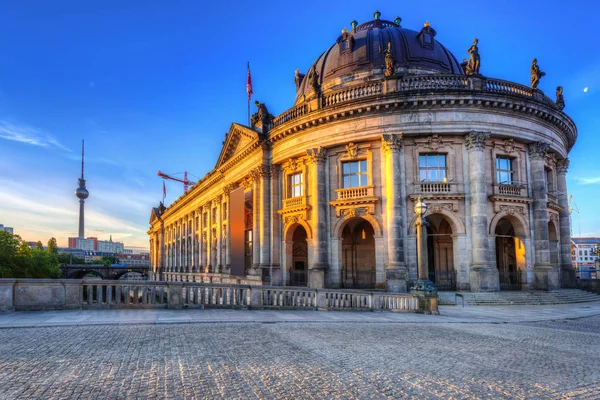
(562, 166)
(317, 155)
(476, 140)
(391, 142)
(538, 149)
(262, 171)
(275, 168)
(230, 187)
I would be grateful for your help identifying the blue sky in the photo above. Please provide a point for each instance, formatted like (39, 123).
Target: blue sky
(155, 85)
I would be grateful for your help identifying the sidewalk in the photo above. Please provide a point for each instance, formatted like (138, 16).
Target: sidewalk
(448, 314)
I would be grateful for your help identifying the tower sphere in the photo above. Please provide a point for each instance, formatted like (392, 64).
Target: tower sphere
(82, 193)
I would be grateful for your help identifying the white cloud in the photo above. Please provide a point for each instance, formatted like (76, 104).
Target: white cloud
(28, 135)
(588, 181)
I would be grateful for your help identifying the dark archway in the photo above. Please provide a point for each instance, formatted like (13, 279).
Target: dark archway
(299, 267)
(554, 244)
(440, 249)
(358, 255)
(510, 256)
(86, 273)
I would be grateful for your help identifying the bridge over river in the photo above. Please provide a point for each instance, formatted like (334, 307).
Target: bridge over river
(111, 272)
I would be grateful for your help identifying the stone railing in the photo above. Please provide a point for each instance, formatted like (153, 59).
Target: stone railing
(208, 278)
(49, 294)
(553, 195)
(416, 83)
(356, 192)
(352, 93)
(295, 202)
(434, 187)
(516, 190)
(429, 82)
(505, 87)
(291, 114)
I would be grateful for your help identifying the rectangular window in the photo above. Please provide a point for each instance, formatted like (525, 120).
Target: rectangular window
(354, 173)
(214, 215)
(549, 187)
(224, 211)
(296, 187)
(504, 171)
(432, 167)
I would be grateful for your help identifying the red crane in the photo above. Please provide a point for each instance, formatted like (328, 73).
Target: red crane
(185, 181)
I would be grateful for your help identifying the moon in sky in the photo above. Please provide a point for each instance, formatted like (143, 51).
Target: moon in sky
(585, 89)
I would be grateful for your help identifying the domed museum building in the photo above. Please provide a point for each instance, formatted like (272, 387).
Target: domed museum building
(323, 194)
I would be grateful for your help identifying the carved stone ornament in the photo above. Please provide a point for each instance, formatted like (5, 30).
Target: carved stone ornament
(351, 151)
(354, 212)
(538, 149)
(274, 170)
(317, 155)
(434, 142)
(436, 208)
(292, 219)
(562, 166)
(247, 182)
(263, 171)
(291, 165)
(228, 188)
(553, 217)
(391, 142)
(204, 239)
(476, 140)
(512, 210)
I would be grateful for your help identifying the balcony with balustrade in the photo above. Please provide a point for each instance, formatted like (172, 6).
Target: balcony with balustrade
(437, 190)
(295, 206)
(360, 197)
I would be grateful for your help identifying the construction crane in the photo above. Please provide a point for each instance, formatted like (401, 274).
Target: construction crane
(185, 181)
(573, 207)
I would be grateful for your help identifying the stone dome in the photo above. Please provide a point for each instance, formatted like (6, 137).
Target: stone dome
(356, 55)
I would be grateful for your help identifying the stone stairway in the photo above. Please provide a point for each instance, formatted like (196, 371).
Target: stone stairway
(564, 296)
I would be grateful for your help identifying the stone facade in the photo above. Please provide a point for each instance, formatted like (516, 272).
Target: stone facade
(330, 186)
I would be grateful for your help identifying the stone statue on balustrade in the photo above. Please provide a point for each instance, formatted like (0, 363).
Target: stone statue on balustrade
(560, 101)
(472, 67)
(390, 61)
(261, 118)
(536, 74)
(313, 78)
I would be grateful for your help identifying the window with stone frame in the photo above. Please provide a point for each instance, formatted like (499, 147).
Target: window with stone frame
(433, 167)
(295, 185)
(214, 215)
(224, 211)
(205, 220)
(505, 171)
(354, 174)
(549, 185)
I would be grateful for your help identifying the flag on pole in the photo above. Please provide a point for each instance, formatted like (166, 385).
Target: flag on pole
(249, 84)
(164, 191)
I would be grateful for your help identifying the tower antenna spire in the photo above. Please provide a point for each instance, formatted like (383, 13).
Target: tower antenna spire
(82, 147)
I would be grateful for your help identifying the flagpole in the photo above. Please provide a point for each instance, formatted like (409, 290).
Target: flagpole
(248, 96)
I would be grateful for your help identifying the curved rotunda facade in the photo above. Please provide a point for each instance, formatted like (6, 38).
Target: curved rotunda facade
(323, 194)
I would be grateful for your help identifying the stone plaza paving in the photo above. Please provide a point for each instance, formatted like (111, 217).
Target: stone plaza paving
(502, 353)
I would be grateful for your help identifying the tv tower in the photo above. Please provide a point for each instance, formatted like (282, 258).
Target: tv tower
(81, 194)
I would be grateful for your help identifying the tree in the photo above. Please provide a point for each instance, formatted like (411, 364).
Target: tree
(109, 260)
(9, 246)
(18, 260)
(39, 245)
(52, 246)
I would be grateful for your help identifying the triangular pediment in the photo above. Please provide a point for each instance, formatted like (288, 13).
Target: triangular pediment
(238, 139)
(154, 215)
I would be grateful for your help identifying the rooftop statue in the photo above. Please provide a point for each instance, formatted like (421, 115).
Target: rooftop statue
(536, 74)
(261, 115)
(390, 61)
(473, 65)
(314, 79)
(560, 101)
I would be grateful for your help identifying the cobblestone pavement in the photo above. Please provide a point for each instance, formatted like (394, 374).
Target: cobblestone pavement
(550, 359)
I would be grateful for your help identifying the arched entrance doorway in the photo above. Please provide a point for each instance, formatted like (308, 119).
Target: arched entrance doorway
(299, 267)
(510, 256)
(358, 255)
(440, 249)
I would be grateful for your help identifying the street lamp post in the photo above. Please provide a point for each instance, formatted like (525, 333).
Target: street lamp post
(424, 289)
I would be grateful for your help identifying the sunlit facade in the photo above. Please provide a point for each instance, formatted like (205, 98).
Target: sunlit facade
(322, 195)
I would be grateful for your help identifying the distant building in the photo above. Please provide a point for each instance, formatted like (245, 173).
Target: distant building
(134, 260)
(584, 253)
(6, 229)
(93, 244)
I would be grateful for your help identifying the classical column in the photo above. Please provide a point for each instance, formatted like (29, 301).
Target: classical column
(546, 277)
(226, 229)
(483, 276)
(264, 172)
(255, 178)
(395, 269)
(216, 240)
(318, 195)
(276, 276)
(568, 279)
